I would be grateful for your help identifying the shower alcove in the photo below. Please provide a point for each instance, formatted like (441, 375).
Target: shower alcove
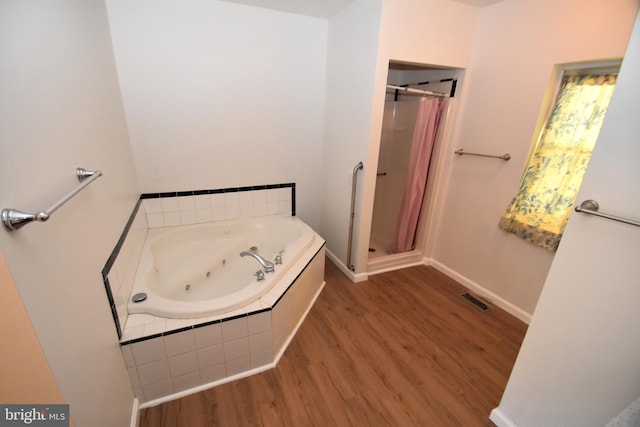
(394, 169)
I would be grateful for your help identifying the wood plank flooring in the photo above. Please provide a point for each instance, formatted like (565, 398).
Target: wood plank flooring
(401, 349)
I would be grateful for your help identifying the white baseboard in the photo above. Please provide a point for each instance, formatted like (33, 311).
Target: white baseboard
(500, 419)
(360, 277)
(481, 291)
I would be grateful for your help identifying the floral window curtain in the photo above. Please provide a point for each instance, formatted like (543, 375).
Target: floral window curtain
(540, 210)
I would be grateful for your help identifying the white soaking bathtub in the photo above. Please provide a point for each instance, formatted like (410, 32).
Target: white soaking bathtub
(196, 270)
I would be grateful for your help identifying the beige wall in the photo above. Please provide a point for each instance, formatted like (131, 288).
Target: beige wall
(517, 45)
(26, 377)
(578, 365)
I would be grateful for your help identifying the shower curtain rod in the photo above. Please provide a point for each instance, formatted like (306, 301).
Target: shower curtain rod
(417, 91)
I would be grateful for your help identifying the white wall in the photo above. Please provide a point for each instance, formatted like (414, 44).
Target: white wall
(61, 108)
(578, 365)
(351, 66)
(517, 44)
(222, 95)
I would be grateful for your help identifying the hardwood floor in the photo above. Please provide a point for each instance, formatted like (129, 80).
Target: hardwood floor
(401, 349)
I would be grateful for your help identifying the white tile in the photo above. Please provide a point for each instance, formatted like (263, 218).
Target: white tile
(246, 211)
(181, 342)
(132, 333)
(259, 209)
(137, 392)
(127, 354)
(153, 372)
(158, 390)
(183, 364)
(231, 199)
(260, 322)
(139, 319)
(203, 215)
(261, 359)
(269, 299)
(236, 349)
(281, 319)
(185, 382)
(213, 373)
(202, 201)
(285, 194)
(121, 311)
(158, 326)
(188, 217)
(234, 329)
(217, 200)
(260, 342)
(273, 208)
(169, 204)
(218, 213)
(155, 220)
(207, 336)
(254, 306)
(272, 195)
(173, 324)
(259, 196)
(171, 218)
(232, 211)
(186, 203)
(133, 377)
(148, 351)
(238, 366)
(245, 197)
(210, 356)
(152, 206)
(285, 207)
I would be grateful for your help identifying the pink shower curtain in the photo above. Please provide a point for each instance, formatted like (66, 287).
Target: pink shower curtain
(425, 135)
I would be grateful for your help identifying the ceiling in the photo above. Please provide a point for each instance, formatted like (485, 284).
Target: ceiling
(326, 8)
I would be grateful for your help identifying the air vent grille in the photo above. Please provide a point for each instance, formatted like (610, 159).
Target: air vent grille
(477, 302)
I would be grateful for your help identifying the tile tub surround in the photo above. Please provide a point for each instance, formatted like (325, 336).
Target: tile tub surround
(174, 363)
(182, 208)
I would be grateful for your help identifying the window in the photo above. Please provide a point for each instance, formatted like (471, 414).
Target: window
(551, 180)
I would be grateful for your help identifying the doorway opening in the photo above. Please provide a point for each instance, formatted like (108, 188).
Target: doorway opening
(409, 162)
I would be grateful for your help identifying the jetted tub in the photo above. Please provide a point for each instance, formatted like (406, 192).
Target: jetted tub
(196, 270)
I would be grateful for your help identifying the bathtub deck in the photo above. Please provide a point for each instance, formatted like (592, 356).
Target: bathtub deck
(402, 348)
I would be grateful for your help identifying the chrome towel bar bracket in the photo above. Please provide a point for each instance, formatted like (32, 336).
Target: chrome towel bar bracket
(591, 207)
(14, 219)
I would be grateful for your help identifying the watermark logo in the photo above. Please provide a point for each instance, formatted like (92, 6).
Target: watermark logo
(34, 415)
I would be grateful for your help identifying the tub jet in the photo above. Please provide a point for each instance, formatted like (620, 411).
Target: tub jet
(187, 288)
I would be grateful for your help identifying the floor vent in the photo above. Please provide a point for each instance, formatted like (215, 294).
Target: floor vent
(478, 303)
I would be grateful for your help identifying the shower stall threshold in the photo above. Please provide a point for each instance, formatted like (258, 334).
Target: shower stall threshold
(395, 262)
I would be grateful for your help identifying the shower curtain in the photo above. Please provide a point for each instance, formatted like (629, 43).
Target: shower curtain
(425, 135)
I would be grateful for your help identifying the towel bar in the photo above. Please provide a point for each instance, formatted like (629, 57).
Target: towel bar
(14, 219)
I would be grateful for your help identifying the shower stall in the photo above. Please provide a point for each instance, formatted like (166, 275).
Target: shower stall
(408, 163)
